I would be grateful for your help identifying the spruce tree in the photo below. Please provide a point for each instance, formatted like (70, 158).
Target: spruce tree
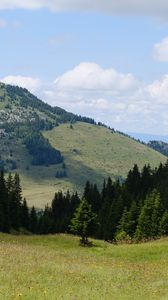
(84, 221)
(25, 215)
(4, 205)
(15, 203)
(150, 217)
(164, 224)
(33, 220)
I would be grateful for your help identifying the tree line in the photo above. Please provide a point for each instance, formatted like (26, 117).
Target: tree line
(16, 216)
(133, 210)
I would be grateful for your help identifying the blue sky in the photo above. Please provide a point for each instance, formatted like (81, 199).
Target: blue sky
(106, 61)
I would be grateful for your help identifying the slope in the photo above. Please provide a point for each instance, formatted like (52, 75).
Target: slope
(90, 153)
(87, 151)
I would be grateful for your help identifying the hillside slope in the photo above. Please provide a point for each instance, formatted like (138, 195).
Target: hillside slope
(85, 150)
(90, 152)
(159, 146)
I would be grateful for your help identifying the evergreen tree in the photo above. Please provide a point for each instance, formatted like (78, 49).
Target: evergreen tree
(61, 211)
(164, 224)
(150, 217)
(33, 220)
(46, 222)
(4, 205)
(25, 215)
(146, 181)
(15, 203)
(83, 221)
(133, 181)
(125, 223)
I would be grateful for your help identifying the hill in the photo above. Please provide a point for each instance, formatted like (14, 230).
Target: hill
(90, 153)
(55, 267)
(53, 149)
(159, 146)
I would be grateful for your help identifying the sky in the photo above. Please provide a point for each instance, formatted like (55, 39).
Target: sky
(105, 59)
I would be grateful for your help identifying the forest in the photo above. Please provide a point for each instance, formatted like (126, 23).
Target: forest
(132, 210)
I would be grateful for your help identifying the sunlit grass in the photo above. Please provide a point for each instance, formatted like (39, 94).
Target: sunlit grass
(90, 152)
(56, 267)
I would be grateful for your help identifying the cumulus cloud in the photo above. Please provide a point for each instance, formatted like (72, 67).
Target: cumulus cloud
(119, 100)
(120, 7)
(126, 107)
(32, 84)
(26, 4)
(158, 90)
(90, 76)
(161, 50)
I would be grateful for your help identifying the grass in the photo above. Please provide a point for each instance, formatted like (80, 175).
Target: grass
(96, 149)
(90, 152)
(56, 267)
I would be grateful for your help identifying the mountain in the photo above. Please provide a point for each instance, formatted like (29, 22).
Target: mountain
(159, 146)
(53, 149)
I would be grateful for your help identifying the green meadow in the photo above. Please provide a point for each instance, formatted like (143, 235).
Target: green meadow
(90, 153)
(56, 267)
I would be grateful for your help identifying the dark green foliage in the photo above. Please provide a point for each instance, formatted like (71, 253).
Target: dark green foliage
(14, 213)
(2, 165)
(4, 205)
(159, 146)
(150, 217)
(25, 221)
(15, 203)
(42, 152)
(61, 174)
(119, 211)
(164, 224)
(33, 220)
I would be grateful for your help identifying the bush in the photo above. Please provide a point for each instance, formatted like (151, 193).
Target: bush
(122, 236)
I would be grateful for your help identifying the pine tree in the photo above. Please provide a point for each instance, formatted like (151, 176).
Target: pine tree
(25, 215)
(15, 203)
(83, 221)
(146, 181)
(4, 205)
(164, 224)
(33, 220)
(61, 211)
(150, 217)
(46, 222)
(125, 222)
(133, 181)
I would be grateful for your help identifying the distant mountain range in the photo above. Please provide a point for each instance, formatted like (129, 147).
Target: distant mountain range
(148, 137)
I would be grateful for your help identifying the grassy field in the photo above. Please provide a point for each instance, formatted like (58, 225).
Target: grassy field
(56, 267)
(90, 152)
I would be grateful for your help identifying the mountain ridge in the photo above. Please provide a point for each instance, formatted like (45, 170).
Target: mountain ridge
(89, 150)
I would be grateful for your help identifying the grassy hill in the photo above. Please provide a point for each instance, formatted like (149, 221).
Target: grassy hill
(90, 151)
(56, 267)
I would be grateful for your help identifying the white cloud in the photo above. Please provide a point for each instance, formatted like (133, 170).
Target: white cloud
(119, 100)
(32, 84)
(91, 77)
(26, 4)
(124, 107)
(161, 50)
(158, 90)
(120, 7)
